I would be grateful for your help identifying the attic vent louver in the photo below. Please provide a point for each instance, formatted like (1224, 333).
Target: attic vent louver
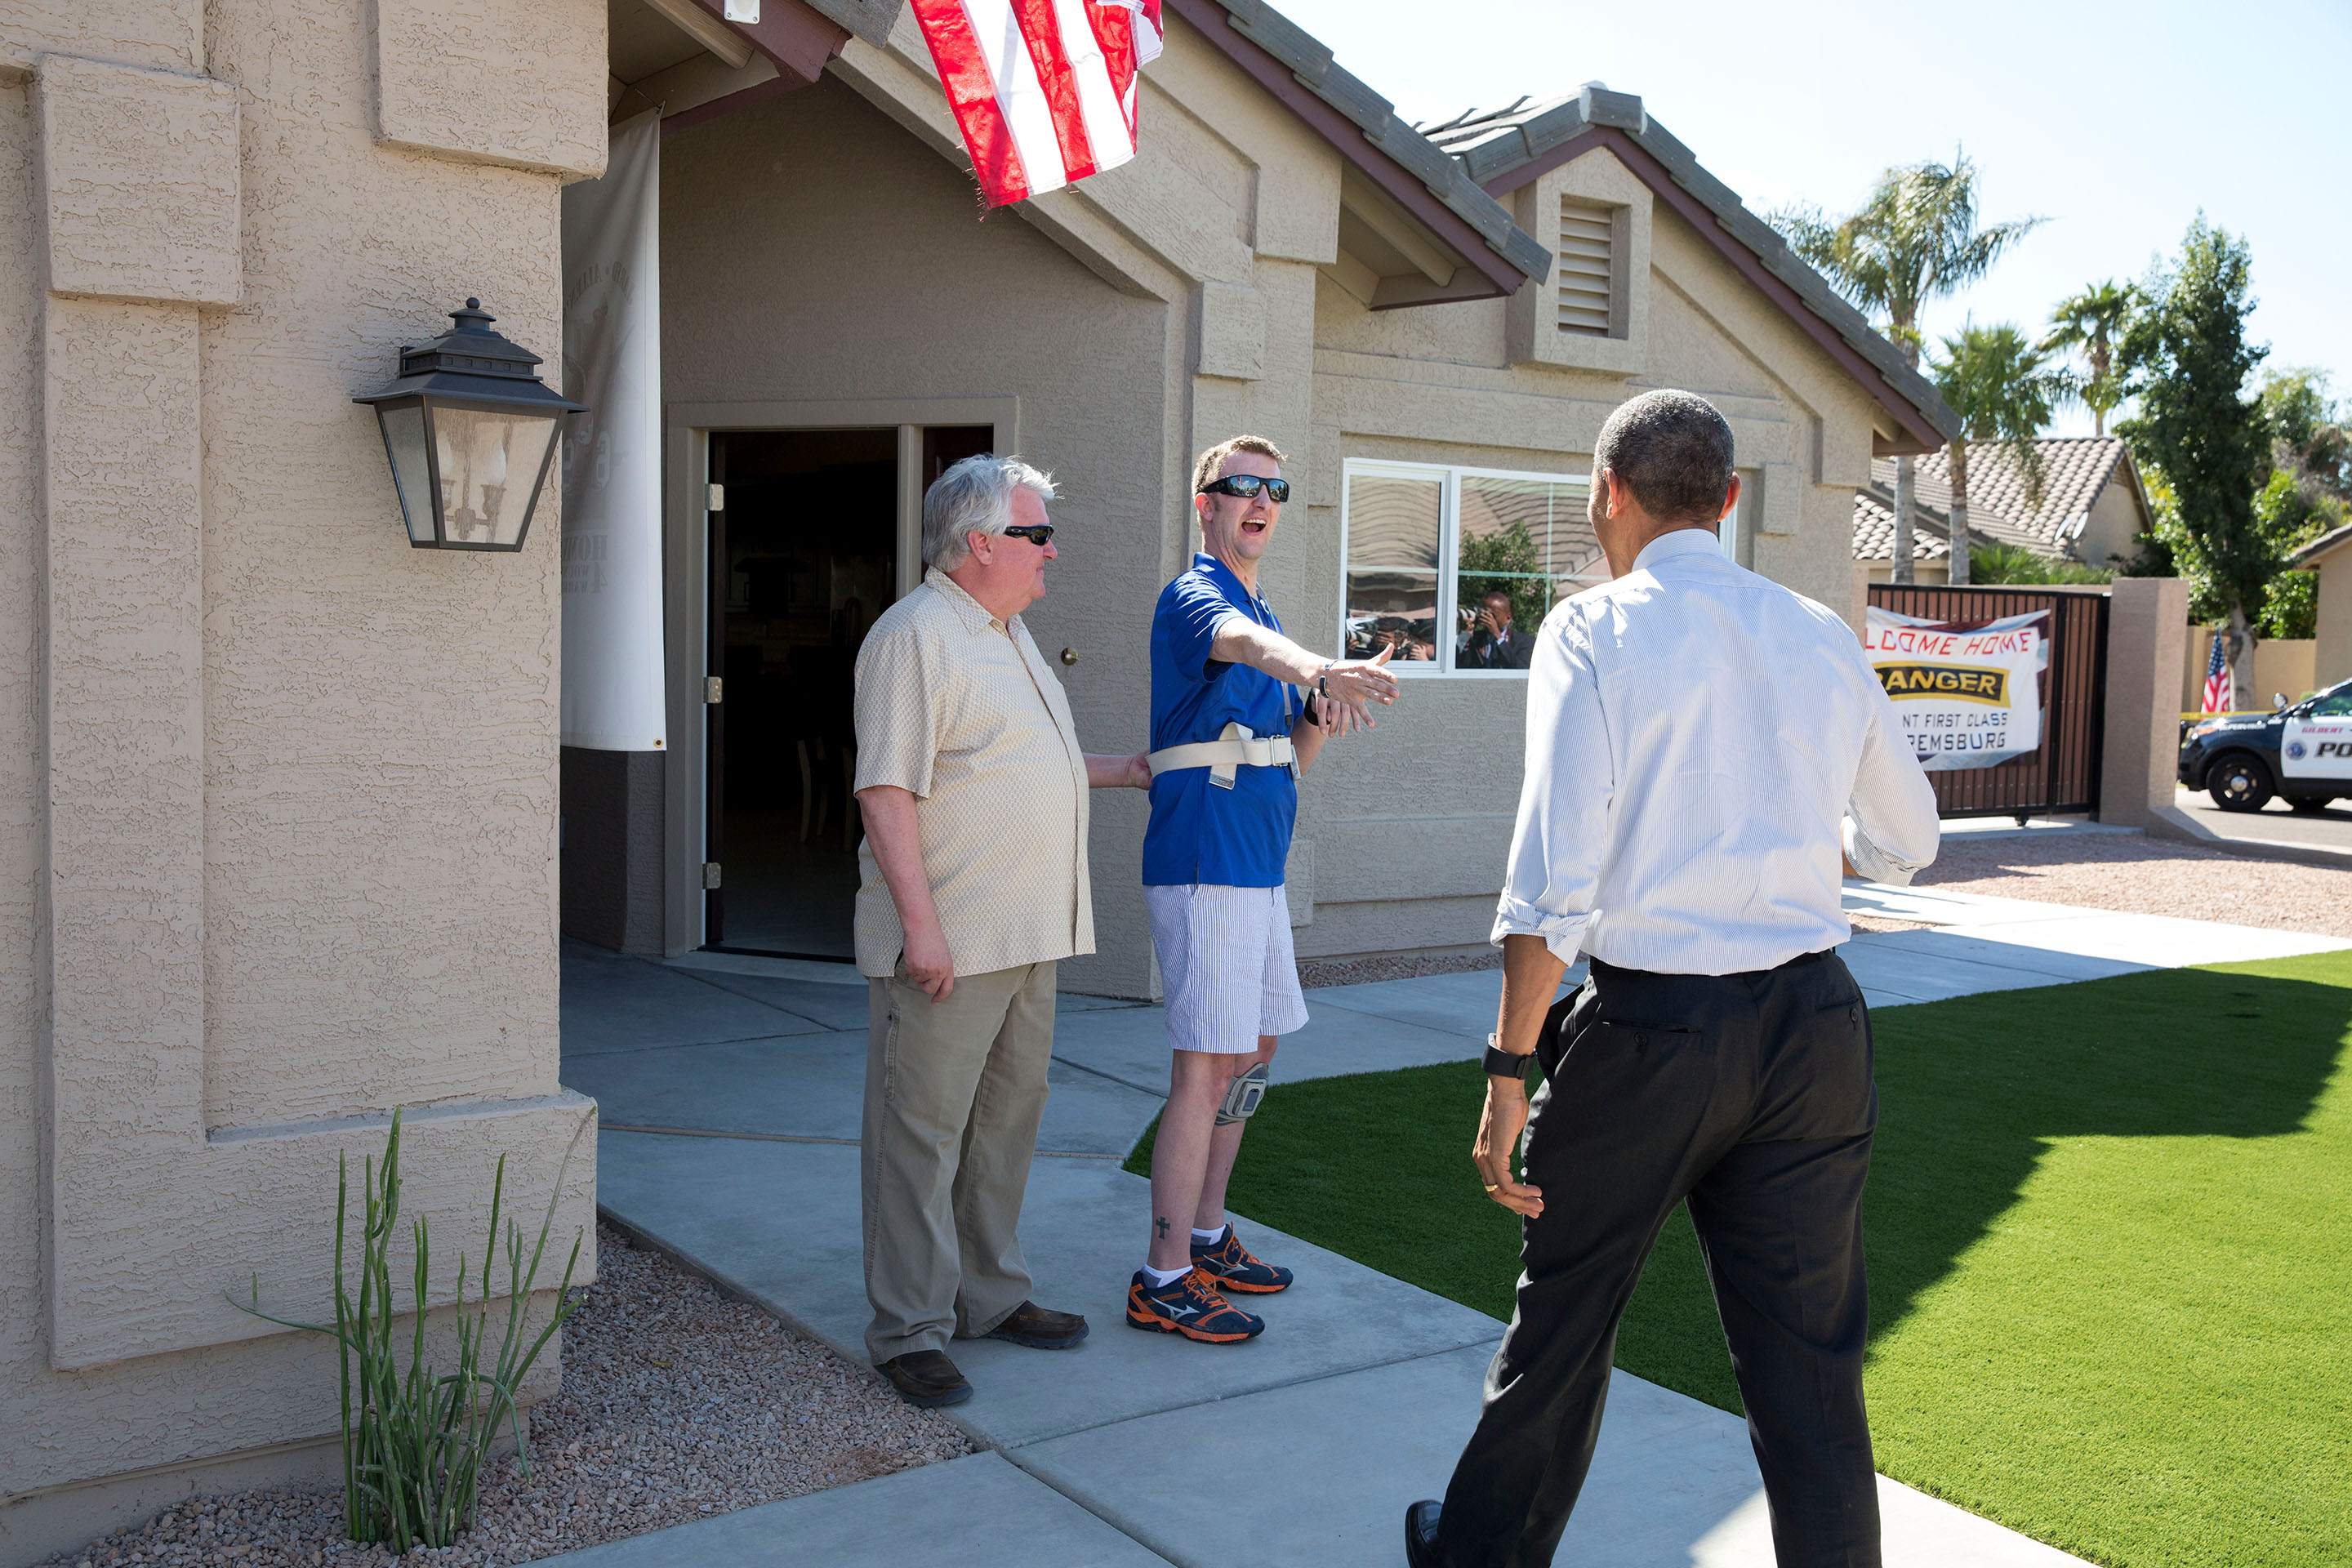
(1587, 267)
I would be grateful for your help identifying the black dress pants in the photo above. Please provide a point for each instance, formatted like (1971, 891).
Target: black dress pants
(1749, 1095)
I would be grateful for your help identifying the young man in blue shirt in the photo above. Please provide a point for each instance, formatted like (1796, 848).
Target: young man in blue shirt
(1237, 711)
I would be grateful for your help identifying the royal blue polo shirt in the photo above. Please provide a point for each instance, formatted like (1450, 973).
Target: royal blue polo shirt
(1238, 838)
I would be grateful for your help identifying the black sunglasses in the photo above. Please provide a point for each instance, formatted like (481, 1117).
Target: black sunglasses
(1034, 533)
(1246, 487)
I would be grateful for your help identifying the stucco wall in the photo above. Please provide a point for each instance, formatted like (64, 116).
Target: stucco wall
(2110, 534)
(277, 794)
(811, 249)
(2333, 652)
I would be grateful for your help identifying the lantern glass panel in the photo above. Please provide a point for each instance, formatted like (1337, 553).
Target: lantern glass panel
(403, 441)
(487, 461)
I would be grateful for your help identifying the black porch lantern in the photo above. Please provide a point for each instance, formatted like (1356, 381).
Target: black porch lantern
(470, 430)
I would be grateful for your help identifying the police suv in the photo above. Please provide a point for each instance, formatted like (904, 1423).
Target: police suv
(2302, 752)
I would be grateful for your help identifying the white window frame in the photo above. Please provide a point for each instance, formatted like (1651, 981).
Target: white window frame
(1449, 532)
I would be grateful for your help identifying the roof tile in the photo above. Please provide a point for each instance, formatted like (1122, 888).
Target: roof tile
(2076, 469)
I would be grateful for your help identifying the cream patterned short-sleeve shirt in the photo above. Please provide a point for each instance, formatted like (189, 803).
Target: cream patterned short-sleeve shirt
(960, 710)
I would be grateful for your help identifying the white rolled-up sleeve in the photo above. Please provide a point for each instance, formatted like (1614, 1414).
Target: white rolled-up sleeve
(1562, 829)
(1891, 829)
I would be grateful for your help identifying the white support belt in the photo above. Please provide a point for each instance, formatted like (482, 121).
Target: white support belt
(1236, 748)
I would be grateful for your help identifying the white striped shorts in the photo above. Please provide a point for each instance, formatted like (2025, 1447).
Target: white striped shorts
(1226, 965)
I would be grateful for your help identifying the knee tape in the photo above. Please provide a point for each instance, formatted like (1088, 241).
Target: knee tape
(1241, 1096)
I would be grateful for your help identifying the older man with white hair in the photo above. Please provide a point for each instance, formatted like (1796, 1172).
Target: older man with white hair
(973, 886)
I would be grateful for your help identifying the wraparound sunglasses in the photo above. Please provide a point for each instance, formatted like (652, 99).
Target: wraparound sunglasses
(1034, 533)
(1246, 487)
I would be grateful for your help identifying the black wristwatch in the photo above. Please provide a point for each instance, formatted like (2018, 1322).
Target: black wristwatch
(1308, 711)
(1506, 1064)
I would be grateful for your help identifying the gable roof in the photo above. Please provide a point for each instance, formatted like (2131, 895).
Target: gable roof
(1503, 148)
(2075, 471)
(2328, 543)
(1407, 166)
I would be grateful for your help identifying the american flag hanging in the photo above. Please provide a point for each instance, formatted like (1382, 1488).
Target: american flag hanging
(2217, 680)
(1043, 90)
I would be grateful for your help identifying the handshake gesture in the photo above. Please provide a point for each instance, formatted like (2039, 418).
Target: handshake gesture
(1346, 689)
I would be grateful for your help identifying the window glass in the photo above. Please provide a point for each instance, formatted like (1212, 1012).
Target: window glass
(1394, 524)
(2334, 705)
(1522, 543)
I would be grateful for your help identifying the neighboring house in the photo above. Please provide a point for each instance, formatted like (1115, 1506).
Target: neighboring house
(282, 802)
(2330, 557)
(2093, 507)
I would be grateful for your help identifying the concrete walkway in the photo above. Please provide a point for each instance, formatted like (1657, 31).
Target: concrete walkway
(729, 1091)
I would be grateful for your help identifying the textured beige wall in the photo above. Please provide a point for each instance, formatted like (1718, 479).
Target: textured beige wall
(495, 81)
(276, 793)
(138, 181)
(2147, 620)
(811, 249)
(2111, 533)
(2332, 656)
(164, 35)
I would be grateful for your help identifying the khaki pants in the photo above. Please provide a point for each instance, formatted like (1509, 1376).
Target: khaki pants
(954, 1092)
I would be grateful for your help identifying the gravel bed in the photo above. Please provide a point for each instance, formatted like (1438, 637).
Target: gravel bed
(2134, 875)
(1314, 972)
(1881, 923)
(678, 1403)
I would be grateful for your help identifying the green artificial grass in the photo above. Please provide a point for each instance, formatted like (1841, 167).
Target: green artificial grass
(2110, 1229)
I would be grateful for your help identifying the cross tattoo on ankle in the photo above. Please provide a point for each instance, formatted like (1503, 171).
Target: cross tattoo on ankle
(1163, 1223)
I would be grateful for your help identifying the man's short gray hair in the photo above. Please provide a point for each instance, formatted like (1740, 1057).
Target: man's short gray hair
(974, 496)
(1672, 450)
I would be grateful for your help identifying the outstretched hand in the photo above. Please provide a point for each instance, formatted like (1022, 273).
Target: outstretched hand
(1358, 683)
(1499, 1126)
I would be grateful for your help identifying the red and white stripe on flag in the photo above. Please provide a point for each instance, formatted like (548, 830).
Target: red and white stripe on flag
(2217, 680)
(1043, 90)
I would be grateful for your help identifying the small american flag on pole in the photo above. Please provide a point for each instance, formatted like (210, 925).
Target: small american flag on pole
(1043, 90)
(2217, 680)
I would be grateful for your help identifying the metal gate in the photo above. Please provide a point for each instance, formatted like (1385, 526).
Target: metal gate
(2063, 775)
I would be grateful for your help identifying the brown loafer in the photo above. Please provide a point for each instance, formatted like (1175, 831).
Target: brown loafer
(1033, 1326)
(926, 1378)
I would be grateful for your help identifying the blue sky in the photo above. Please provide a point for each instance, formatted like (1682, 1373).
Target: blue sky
(2115, 122)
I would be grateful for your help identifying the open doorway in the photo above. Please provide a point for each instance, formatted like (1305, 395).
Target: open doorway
(803, 558)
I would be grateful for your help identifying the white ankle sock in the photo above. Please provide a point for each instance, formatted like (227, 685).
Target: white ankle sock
(1162, 1278)
(1209, 1237)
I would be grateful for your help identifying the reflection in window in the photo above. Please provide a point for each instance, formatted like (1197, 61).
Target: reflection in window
(1394, 526)
(1522, 543)
(1457, 568)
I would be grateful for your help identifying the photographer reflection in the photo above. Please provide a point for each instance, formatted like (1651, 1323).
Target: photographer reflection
(1491, 642)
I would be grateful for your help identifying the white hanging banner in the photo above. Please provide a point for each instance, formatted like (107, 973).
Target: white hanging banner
(613, 698)
(1968, 693)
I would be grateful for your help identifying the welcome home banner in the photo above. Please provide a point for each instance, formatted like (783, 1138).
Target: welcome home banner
(1970, 694)
(613, 688)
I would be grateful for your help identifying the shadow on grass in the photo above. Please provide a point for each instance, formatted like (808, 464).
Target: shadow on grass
(1971, 1091)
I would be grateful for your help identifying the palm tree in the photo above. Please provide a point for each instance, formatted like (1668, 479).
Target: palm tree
(1914, 240)
(2091, 323)
(2003, 389)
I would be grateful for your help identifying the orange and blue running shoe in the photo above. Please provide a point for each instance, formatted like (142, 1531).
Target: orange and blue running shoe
(1187, 1306)
(1230, 1265)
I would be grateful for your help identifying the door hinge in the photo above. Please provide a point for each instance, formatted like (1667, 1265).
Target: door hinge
(714, 498)
(711, 689)
(709, 876)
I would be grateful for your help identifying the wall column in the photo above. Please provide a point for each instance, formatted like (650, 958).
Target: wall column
(2148, 632)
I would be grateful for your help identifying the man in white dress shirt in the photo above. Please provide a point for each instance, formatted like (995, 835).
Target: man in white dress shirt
(1703, 745)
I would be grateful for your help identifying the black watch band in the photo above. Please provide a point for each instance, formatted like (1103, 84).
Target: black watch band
(1505, 1063)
